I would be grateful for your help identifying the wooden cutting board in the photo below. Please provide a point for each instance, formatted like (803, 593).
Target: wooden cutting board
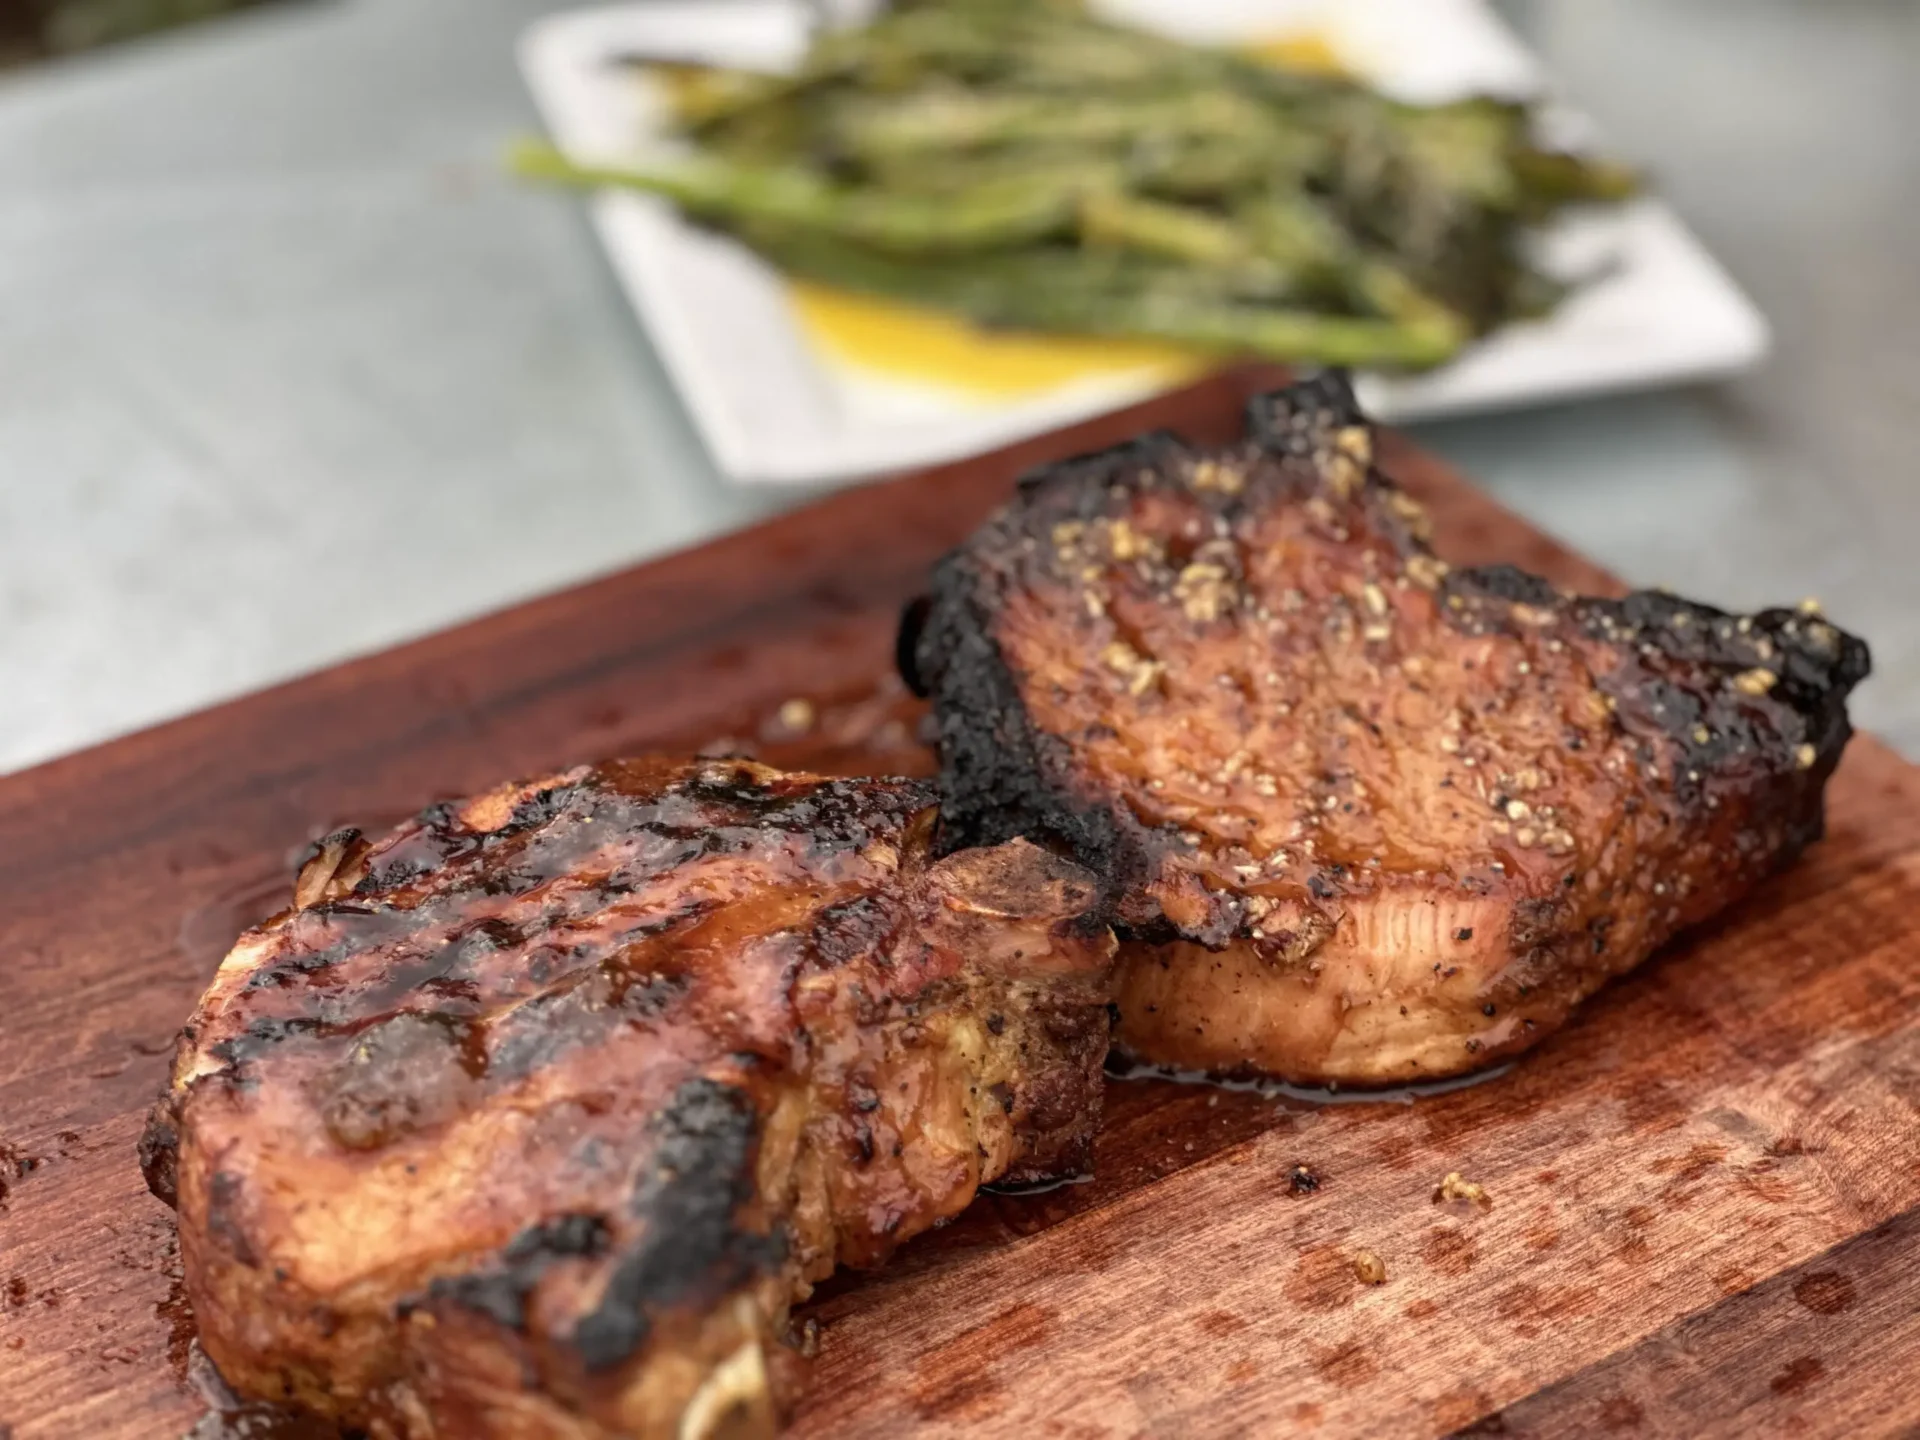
(1705, 1193)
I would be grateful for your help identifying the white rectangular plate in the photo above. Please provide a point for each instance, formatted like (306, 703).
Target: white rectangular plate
(776, 407)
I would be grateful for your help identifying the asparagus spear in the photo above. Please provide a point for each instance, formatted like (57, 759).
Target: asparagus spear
(1215, 174)
(1554, 177)
(935, 123)
(1016, 210)
(1177, 232)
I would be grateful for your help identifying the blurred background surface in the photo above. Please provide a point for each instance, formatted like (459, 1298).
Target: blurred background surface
(291, 370)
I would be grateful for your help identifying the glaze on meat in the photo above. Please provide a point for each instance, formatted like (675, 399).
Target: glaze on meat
(533, 1118)
(1363, 817)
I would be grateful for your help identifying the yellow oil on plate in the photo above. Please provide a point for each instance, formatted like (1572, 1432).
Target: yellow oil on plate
(908, 342)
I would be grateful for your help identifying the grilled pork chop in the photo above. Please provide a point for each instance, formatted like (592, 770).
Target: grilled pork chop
(1363, 818)
(532, 1118)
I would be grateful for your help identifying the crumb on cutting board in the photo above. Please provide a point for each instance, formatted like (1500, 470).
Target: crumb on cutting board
(1455, 1188)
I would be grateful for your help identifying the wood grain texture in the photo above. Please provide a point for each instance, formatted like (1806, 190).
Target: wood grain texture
(1808, 1351)
(1704, 1191)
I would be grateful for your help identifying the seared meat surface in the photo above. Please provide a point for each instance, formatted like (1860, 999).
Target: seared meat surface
(1363, 818)
(534, 1117)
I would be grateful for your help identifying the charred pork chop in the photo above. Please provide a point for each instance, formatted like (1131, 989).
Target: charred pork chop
(534, 1117)
(1363, 818)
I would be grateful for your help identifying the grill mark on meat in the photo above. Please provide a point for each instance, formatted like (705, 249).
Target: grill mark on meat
(844, 932)
(354, 925)
(699, 1175)
(263, 1035)
(1239, 686)
(432, 843)
(541, 807)
(534, 1035)
(501, 1294)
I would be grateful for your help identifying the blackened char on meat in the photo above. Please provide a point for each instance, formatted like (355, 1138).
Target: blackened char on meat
(1362, 817)
(535, 1116)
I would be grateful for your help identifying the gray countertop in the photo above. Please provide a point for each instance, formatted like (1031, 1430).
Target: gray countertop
(289, 371)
